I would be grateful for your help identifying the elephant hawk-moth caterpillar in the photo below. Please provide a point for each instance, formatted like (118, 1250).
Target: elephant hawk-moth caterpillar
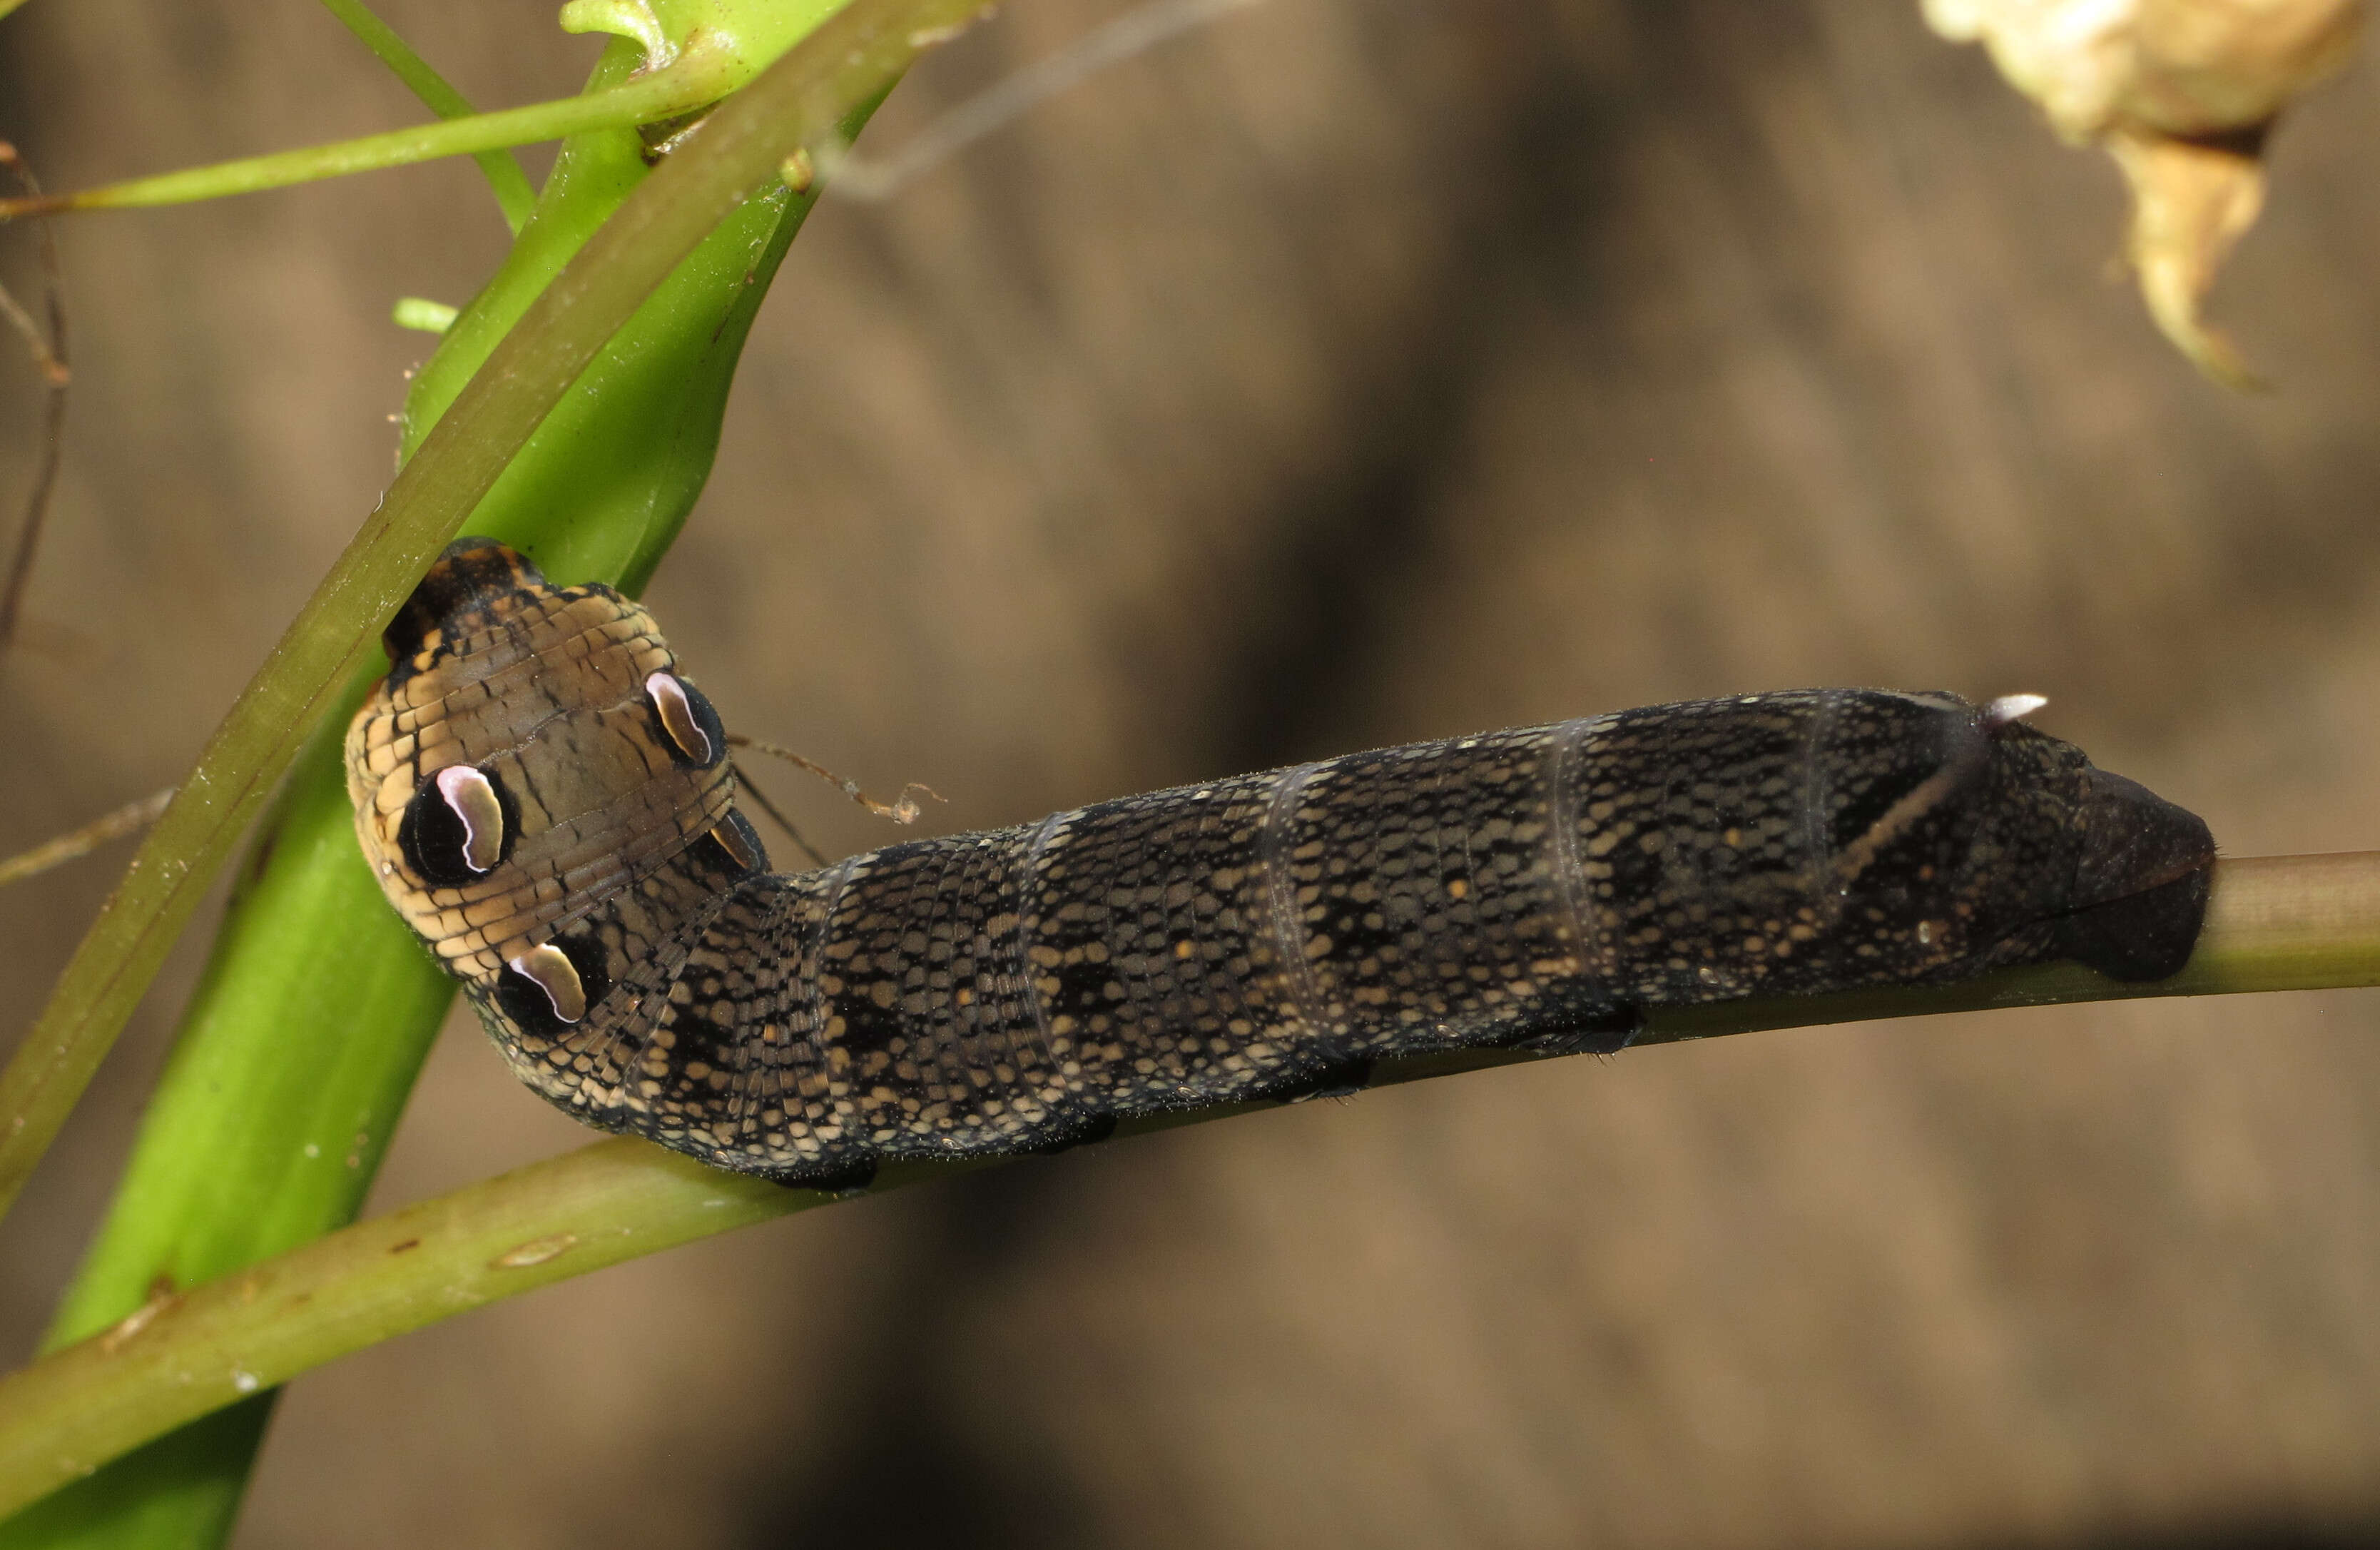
(548, 802)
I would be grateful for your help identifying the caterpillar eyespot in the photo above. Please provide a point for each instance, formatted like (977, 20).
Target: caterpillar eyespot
(689, 727)
(453, 829)
(1273, 936)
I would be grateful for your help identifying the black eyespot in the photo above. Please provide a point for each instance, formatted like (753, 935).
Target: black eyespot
(736, 845)
(688, 726)
(554, 986)
(459, 825)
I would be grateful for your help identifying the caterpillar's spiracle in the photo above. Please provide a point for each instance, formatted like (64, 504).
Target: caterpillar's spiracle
(547, 801)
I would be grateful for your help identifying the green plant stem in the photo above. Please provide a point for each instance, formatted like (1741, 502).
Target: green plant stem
(217, 1189)
(503, 170)
(851, 58)
(255, 1143)
(724, 45)
(698, 78)
(2275, 923)
(251, 1145)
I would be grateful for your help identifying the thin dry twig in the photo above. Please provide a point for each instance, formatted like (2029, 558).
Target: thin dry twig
(49, 352)
(129, 818)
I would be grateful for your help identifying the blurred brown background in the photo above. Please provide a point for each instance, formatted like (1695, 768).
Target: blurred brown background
(1351, 373)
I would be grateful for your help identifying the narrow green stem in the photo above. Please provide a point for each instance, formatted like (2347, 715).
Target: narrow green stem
(699, 76)
(254, 1142)
(2275, 923)
(848, 60)
(724, 45)
(503, 170)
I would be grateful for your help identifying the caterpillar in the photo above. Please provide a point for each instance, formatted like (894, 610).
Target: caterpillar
(547, 801)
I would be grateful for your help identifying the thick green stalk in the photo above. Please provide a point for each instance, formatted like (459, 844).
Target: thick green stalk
(289, 1157)
(254, 1143)
(798, 100)
(2276, 923)
(251, 1145)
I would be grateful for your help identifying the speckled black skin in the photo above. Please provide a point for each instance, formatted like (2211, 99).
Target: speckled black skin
(1269, 936)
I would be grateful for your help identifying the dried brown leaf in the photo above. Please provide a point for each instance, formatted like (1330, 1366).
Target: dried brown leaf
(2182, 94)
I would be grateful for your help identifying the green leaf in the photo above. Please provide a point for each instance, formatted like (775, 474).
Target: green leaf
(223, 1173)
